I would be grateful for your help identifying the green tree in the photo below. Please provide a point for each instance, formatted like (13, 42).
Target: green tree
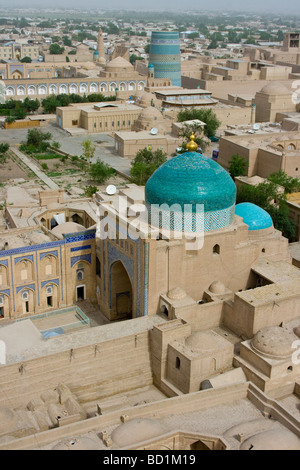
(133, 58)
(90, 190)
(197, 130)
(4, 147)
(26, 60)
(56, 49)
(237, 166)
(267, 196)
(145, 163)
(50, 104)
(100, 172)
(204, 115)
(38, 140)
(31, 105)
(88, 149)
(289, 183)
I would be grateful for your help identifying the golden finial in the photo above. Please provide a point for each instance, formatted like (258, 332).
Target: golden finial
(192, 146)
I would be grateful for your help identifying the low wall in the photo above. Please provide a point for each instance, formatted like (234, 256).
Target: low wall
(21, 124)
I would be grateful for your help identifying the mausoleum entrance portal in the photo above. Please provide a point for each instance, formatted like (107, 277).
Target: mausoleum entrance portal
(120, 292)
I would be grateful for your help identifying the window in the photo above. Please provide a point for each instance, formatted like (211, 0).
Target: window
(177, 363)
(216, 250)
(80, 275)
(49, 290)
(25, 295)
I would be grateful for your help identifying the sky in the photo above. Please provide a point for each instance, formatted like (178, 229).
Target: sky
(275, 6)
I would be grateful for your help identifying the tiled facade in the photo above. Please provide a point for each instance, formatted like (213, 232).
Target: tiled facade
(165, 56)
(41, 277)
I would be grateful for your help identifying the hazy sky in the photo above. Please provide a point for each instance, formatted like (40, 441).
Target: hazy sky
(276, 6)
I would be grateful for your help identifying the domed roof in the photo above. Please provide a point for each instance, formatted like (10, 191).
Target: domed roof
(274, 342)
(217, 287)
(189, 180)
(254, 216)
(119, 63)
(136, 430)
(274, 439)
(150, 113)
(150, 66)
(176, 294)
(200, 341)
(275, 88)
(67, 227)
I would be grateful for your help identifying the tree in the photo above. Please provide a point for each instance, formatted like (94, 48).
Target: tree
(133, 58)
(197, 130)
(145, 163)
(237, 166)
(88, 149)
(31, 105)
(67, 41)
(100, 172)
(4, 148)
(267, 196)
(38, 140)
(290, 184)
(56, 49)
(26, 60)
(3, 153)
(205, 115)
(50, 104)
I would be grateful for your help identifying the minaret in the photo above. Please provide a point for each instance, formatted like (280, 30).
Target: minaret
(100, 48)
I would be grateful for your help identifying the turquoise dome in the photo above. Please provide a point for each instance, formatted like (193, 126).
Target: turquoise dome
(254, 216)
(190, 179)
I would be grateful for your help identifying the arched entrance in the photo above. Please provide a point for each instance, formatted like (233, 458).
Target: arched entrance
(120, 292)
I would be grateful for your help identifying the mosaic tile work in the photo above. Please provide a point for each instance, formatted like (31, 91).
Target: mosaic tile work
(184, 185)
(28, 286)
(254, 216)
(75, 259)
(165, 56)
(190, 221)
(51, 281)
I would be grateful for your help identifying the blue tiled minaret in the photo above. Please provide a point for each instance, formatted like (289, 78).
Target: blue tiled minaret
(165, 56)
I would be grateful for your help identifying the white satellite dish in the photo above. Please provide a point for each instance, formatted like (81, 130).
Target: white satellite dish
(256, 127)
(154, 131)
(111, 189)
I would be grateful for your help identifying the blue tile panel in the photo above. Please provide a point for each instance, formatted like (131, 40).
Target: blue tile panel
(51, 281)
(28, 286)
(254, 216)
(33, 252)
(194, 189)
(75, 259)
(164, 56)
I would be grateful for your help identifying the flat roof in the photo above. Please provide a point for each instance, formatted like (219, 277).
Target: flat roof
(194, 91)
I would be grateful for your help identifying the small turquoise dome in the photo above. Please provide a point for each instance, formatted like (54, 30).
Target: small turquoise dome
(190, 179)
(150, 66)
(254, 216)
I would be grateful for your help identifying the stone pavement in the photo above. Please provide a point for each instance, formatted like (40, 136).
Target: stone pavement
(36, 170)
